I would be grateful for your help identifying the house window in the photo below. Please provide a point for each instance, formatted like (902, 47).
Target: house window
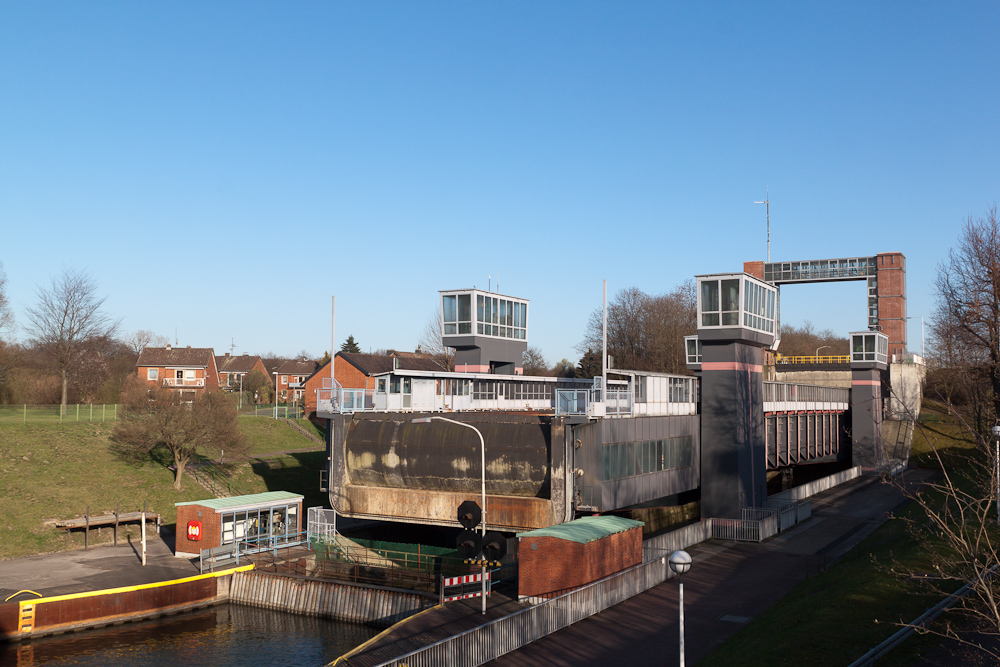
(381, 385)
(153, 374)
(284, 379)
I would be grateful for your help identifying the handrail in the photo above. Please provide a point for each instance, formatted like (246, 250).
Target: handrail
(825, 359)
(216, 476)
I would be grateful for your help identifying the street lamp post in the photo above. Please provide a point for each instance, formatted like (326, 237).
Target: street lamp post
(680, 562)
(482, 449)
(820, 348)
(921, 318)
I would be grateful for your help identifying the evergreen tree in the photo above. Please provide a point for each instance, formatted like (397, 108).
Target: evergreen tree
(350, 345)
(589, 365)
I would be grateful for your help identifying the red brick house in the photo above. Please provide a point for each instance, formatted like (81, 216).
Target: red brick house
(355, 371)
(290, 378)
(190, 370)
(233, 368)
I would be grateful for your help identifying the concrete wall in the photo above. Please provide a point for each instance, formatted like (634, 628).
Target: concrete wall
(907, 381)
(357, 603)
(384, 467)
(838, 378)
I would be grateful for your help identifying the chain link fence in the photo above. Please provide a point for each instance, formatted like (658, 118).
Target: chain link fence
(77, 412)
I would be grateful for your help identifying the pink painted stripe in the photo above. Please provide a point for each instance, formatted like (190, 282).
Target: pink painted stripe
(471, 368)
(866, 382)
(731, 366)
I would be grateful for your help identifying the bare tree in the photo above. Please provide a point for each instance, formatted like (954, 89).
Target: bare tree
(7, 355)
(158, 417)
(645, 333)
(142, 339)
(968, 287)
(67, 316)
(804, 341)
(957, 528)
(533, 362)
(432, 343)
(6, 315)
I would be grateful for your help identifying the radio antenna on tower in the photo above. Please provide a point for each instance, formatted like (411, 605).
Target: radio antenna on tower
(767, 202)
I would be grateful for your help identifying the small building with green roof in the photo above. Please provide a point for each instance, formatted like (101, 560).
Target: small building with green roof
(204, 524)
(560, 558)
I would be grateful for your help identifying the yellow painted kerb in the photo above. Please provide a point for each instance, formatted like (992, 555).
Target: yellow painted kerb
(127, 589)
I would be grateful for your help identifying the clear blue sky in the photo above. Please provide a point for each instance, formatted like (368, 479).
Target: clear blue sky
(222, 169)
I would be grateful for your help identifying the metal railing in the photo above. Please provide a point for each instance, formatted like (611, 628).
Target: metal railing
(215, 480)
(573, 401)
(618, 402)
(357, 400)
(284, 410)
(816, 486)
(322, 523)
(75, 412)
(824, 359)
(745, 530)
(788, 392)
(184, 382)
(490, 641)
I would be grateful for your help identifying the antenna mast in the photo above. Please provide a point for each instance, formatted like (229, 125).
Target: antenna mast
(767, 203)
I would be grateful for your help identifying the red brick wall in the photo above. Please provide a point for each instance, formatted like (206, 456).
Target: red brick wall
(211, 528)
(755, 269)
(892, 299)
(210, 375)
(558, 566)
(348, 376)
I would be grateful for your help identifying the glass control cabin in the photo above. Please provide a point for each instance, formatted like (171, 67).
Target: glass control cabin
(731, 302)
(489, 331)
(869, 347)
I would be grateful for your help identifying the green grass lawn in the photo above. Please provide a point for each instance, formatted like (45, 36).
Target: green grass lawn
(267, 435)
(841, 613)
(55, 471)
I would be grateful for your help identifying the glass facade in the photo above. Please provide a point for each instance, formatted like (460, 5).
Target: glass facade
(870, 346)
(494, 315)
(629, 459)
(735, 301)
(259, 523)
(847, 268)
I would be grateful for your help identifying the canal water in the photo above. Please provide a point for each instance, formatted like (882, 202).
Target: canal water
(220, 636)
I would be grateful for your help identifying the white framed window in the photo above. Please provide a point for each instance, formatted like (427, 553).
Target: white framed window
(284, 379)
(152, 373)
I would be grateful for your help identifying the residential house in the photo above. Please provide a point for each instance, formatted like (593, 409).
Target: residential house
(290, 378)
(233, 368)
(356, 371)
(189, 370)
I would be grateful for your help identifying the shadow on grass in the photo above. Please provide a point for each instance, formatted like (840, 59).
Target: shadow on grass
(302, 476)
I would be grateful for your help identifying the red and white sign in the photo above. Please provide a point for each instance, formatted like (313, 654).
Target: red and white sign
(194, 531)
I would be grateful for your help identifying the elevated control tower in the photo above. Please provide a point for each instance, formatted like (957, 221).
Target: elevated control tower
(488, 331)
(737, 316)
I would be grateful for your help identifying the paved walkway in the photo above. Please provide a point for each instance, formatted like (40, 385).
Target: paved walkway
(729, 584)
(94, 569)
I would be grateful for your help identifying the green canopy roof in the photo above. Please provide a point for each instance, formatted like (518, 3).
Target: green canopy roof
(268, 498)
(585, 529)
